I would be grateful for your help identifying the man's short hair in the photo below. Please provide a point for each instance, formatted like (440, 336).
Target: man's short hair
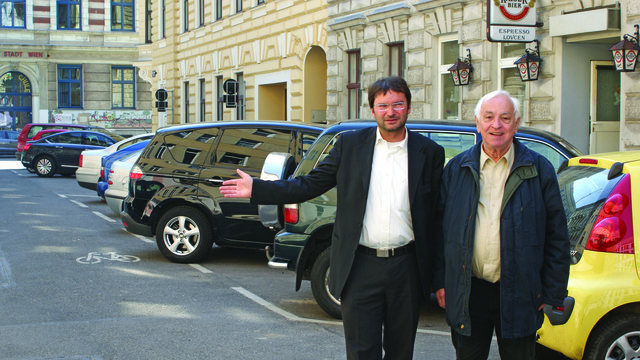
(515, 102)
(382, 86)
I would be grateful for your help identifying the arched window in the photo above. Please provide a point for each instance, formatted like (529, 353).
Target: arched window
(15, 100)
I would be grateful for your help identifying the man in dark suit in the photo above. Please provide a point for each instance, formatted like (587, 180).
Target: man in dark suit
(384, 251)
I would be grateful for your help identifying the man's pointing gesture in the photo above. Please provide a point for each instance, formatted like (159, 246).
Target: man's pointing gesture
(237, 188)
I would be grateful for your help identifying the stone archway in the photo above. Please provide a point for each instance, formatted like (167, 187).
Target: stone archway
(315, 85)
(15, 100)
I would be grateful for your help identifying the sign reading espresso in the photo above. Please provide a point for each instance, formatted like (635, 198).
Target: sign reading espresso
(511, 20)
(23, 54)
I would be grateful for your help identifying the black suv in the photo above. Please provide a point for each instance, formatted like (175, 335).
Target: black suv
(303, 245)
(173, 188)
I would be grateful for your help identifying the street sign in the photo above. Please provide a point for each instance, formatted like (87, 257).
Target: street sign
(230, 86)
(161, 94)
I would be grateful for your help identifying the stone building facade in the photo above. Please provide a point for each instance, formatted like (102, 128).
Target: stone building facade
(72, 62)
(578, 94)
(273, 50)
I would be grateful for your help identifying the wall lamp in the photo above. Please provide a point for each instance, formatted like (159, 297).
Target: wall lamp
(625, 53)
(461, 70)
(154, 73)
(529, 63)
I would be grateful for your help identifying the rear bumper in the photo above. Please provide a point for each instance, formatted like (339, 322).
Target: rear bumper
(132, 225)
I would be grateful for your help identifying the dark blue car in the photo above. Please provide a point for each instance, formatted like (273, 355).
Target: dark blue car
(107, 161)
(60, 153)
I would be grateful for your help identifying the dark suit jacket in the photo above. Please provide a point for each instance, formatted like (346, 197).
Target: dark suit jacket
(348, 166)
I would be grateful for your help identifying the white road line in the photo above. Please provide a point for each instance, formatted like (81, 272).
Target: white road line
(78, 203)
(103, 216)
(292, 317)
(201, 268)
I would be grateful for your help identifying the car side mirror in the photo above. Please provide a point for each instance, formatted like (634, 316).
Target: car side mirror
(276, 166)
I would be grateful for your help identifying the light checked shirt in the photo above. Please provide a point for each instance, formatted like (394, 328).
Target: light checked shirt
(486, 247)
(387, 217)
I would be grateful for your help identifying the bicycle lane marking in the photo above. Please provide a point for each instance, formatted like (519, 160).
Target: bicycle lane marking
(5, 272)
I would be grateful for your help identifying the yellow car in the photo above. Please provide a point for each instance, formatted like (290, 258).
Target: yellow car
(601, 318)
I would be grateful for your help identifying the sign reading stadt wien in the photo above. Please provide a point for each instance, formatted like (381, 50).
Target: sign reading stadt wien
(511, 20)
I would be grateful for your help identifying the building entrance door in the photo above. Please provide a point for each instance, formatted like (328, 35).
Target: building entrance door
(604, 133)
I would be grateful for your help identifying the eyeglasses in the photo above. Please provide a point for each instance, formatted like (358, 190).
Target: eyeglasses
(399, 106)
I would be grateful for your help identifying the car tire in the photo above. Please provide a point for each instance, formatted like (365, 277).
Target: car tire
(184, 235)
(320, 285)
(614, 335)
(45, 166)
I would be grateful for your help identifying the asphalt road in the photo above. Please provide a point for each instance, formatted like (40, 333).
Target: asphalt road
(75, 285)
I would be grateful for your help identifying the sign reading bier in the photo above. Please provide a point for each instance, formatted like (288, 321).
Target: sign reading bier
(511, 20)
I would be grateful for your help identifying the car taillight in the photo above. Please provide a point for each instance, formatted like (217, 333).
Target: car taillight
(80, 161)
(291, 213)
(26, 147)
(109, 181)
(102, 173)
(613, 229)
(135, 173)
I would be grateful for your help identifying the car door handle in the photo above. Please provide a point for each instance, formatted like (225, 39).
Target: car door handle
(215, 180)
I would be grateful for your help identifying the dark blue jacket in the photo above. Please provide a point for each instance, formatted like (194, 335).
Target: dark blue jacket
(534, 241)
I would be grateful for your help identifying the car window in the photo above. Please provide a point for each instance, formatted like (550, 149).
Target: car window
(249, 147)
(552, 154)
(583, 191)
(65, 138)
(130, 142)
(187, 147)
(97, 140)
(453, 142)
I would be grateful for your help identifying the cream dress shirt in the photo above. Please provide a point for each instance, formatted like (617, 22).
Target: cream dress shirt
(387, 217)
(486, 248)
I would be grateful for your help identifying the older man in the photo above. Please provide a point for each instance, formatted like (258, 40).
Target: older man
(505, 235)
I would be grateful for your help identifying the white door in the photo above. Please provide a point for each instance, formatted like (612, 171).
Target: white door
(604, 133)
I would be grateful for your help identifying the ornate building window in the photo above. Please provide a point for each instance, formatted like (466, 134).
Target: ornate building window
(68, 14)
(122, 15)
(12, 14)
(123, 87)
(396, 59)
(69, 86)
(353, 84)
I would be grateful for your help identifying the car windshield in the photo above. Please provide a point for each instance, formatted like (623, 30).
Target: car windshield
(583, 190)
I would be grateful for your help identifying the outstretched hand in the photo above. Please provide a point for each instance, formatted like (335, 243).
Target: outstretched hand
(237, 188)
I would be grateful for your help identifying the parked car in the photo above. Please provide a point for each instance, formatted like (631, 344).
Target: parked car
(59, 154)
(303, 245)
(118, 182)
(601, 317)
(173, 190)
(30, 130)
(108, 160)
(8, 142)
(90, 163)
(44, 133)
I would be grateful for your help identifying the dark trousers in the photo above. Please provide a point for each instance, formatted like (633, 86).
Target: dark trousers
(381, 307)
(484, 311)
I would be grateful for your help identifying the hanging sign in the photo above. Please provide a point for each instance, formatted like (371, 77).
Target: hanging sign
(511, 20)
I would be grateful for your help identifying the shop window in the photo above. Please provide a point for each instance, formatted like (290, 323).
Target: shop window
(510, 77)
(449, 93)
